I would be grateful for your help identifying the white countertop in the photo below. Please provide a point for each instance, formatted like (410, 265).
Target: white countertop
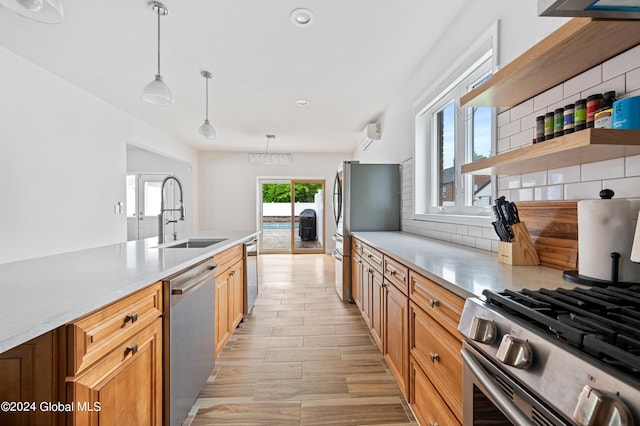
(39, 295)
(463, 270)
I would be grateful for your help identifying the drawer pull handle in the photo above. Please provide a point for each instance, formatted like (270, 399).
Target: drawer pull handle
(434, 357)
(434, 303)
(131, 317)
(392, 272)
(433, 423)
(131, 349)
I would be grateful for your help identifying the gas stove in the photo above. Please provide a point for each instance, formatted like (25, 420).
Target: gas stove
(576, 352)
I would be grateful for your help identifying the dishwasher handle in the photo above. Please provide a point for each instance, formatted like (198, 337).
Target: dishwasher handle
(193, 284)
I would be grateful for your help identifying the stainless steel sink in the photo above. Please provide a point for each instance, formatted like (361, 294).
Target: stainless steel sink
(197, 243)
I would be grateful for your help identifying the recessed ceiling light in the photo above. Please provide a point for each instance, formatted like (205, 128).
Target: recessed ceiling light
(302, 17)
(302, 102)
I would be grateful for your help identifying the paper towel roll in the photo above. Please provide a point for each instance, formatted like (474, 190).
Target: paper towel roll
(606, 226)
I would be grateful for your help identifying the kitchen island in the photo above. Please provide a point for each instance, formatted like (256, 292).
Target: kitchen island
(42, 294)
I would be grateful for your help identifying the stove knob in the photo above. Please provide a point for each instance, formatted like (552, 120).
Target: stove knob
(596, 408)
(515, 352)
(483, 330)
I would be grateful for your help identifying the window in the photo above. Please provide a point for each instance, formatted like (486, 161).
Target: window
(448, 136)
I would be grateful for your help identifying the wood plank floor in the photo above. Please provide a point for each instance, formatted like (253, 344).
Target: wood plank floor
(303, 357)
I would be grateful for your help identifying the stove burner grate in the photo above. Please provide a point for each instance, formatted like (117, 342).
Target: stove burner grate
(602, 322)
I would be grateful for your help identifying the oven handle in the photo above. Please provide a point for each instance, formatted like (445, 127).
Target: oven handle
(504, 404)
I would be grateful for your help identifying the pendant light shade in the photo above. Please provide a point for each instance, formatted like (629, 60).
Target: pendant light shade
(46, 11)
(207, 131)
(157, 92)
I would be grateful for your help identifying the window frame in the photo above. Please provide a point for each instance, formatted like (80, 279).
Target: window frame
(472, 67)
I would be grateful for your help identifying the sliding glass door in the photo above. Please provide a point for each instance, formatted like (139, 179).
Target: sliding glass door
(292, 216)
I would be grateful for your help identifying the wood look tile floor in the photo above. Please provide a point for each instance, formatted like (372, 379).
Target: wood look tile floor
(302, 357)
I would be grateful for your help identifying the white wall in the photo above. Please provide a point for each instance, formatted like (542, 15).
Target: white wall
(519, 28)
(228, 186)
(63, 163)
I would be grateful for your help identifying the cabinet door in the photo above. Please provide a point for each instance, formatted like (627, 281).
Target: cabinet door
(236, 296)
(222, 313)
(367, 283)
(28, 374)
(125, 387)
(396, 334)
(356, 280)
(377, 300)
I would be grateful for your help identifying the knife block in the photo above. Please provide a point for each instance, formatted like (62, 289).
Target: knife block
(520, 251)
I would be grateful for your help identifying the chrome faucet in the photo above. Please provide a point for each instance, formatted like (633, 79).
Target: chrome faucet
(161, 219)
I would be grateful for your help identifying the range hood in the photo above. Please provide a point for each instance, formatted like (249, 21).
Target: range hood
(609, 9)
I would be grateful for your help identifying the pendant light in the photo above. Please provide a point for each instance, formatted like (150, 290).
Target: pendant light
(157, 91)
(207, 131)
(46, 11)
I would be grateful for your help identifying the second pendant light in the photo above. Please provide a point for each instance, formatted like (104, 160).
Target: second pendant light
(207, 131)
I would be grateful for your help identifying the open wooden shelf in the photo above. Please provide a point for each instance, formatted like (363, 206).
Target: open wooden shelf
(577, 46)
(585, 146)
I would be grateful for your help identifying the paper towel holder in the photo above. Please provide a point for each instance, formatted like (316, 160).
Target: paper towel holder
(576, 278)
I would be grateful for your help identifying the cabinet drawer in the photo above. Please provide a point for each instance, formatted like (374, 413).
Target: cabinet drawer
(438, 354)
(425, 400)
(92, 336)
(397, 274)
(438, 302)
(372, 256)
(126, 383)
(226, 259)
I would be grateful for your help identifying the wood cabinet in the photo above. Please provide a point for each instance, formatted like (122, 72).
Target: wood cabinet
(414, 321)
(29, 373)
(396, 334)
(426, 403)
(229, 294)
(114, 362)
(435, 344)
(125, 387)
(377, 318)
(356, 279)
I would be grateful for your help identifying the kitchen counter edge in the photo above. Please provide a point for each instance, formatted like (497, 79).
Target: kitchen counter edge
(42, 294)
(463, 270)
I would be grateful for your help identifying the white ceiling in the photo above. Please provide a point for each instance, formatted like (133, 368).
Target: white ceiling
(349, 63)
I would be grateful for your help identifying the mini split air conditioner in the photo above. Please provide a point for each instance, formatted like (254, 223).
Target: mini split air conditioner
(370, 134)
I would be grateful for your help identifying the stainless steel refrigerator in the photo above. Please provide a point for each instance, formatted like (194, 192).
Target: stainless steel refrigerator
(366, 197)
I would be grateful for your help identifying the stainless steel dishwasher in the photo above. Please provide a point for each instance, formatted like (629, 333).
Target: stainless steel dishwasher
(188, 337)
(251, 274)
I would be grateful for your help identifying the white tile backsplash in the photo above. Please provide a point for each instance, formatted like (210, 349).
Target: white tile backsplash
(549, 193)
(624, 188)
(582, 190)
(622, 63)
(521, 110)
(632, 166)
(551, 96)
(534, 179)
(608, 169)
(633, 80)
(583, 81)
(564, 175)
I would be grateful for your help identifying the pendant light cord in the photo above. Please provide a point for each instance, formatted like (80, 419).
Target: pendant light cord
(207, 97)
(158, 41)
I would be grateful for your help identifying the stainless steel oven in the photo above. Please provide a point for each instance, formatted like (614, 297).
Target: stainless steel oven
(552, 357)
